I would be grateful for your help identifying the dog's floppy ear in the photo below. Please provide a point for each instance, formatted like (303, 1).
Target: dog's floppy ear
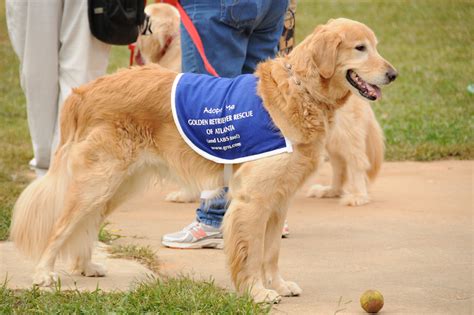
(325, 45)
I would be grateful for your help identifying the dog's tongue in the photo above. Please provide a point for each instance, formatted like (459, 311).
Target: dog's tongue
(377, 91)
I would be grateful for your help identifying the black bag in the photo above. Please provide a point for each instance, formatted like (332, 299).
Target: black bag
(116, 22)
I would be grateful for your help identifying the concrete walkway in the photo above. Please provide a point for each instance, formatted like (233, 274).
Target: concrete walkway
(413, 243)
(124, 274)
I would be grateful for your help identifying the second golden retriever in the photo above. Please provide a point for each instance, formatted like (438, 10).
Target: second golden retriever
(163, 44)
(355, 146)
(118, 131)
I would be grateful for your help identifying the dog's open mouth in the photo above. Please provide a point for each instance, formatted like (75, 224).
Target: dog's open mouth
(367, 90)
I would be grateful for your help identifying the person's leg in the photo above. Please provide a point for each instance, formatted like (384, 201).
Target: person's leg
(33, 27)
(82, 57)
(205, 231)
(263, 42)
(211, 212)
(223, 29)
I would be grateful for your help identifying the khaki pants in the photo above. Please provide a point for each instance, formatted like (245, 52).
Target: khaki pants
(57, 52)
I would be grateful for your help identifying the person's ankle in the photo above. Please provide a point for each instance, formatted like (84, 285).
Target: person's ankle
(210, 224)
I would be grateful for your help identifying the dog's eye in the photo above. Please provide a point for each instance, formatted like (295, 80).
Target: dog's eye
(360, 47)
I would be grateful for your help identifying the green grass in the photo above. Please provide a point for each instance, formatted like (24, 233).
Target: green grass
(15, 147)
(143, 254)
(173, 296)
(427, 114)
(106, 236)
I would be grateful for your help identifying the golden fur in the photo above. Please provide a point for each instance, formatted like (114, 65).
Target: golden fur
(355, 146)
(118, 130)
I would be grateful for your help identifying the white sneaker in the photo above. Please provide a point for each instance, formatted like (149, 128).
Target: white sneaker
(195, 235)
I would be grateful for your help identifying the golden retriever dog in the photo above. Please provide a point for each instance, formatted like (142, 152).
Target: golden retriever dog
(163, 44)
(118, 133)
(355, 146)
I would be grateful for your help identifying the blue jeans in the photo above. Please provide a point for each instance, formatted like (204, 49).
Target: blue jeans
(213, 212)
(236, 35)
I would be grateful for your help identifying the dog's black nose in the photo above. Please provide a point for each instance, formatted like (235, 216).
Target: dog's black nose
(391, 75)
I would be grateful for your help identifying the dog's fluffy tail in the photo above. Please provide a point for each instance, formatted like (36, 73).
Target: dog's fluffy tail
(375, 147)
(41, 203)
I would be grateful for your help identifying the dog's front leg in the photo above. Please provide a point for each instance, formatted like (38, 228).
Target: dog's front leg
(273, 278)
(356, 194)
(244, 232)
(339, 175)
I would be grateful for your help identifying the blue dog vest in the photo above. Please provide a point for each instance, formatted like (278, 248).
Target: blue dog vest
(224, 120)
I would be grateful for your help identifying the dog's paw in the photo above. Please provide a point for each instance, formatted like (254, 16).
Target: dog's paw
(94, 270)
(320, 191)
(45, 278)
(291, 288)
(288, 288)
(354, 200)
(266, 296)
(180, 196)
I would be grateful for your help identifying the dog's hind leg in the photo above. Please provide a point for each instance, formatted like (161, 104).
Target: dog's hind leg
(273, 279)
(85, 204)
(79, 247)
(131, 184)
(356, 194)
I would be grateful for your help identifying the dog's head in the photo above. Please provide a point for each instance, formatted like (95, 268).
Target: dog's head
(347, 50)
(164, 26)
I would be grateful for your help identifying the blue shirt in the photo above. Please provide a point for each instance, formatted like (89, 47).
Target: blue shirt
(223, 119)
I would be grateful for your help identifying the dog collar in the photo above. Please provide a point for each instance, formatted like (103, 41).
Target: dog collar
(168, 42)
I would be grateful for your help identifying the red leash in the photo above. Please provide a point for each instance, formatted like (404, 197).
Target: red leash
(193, 33)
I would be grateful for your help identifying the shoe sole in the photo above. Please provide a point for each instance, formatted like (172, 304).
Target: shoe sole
(205, 243)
